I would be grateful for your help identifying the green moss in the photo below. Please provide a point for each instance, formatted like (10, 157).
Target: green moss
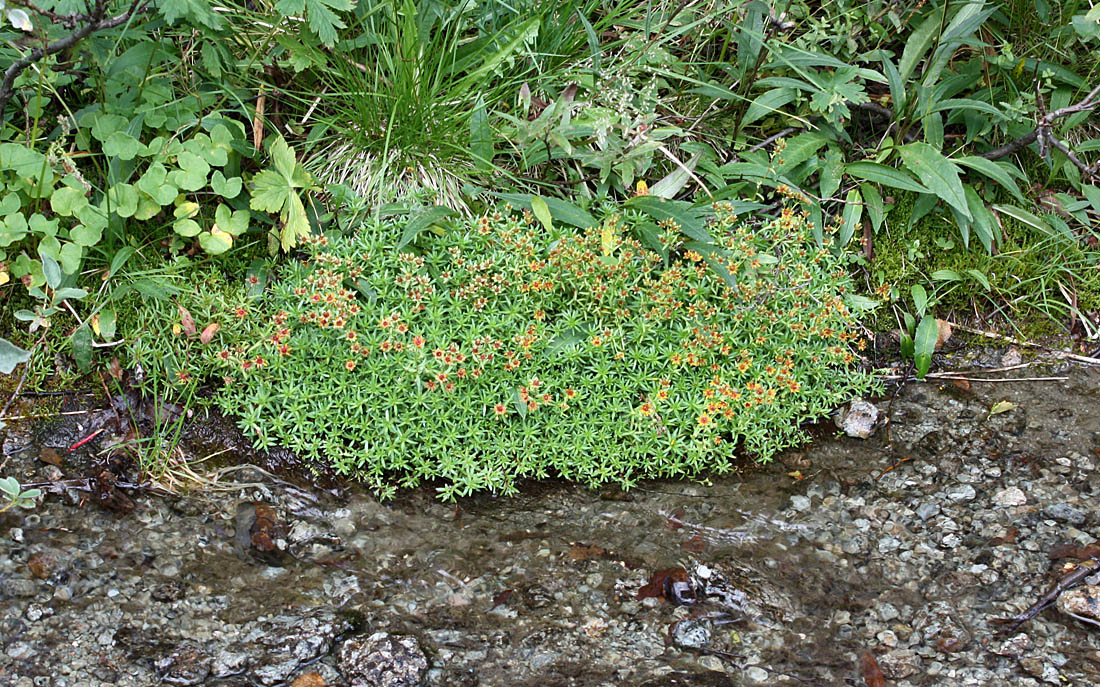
(1027, 276)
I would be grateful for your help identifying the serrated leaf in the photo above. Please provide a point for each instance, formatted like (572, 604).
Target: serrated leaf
(269, 191)
(197, 11)
(938, 173)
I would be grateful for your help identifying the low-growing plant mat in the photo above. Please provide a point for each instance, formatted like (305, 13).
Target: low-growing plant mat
(504, 349)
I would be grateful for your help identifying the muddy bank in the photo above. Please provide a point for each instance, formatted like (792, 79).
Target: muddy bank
(904, 545)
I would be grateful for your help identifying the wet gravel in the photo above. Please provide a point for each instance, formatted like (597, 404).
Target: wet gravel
(903, 546)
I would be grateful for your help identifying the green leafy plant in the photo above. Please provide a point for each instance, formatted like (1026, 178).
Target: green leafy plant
(516, 347)
(15, 495)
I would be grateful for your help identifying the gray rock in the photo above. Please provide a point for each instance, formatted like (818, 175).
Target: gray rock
(1012, 496)
(962, 492)
(1081, 603)
(1064, 512)
(800, 503)
(858, 419)
(756, 674)
(382, 660)
(927, 510)
(899, 663)
(1014, 646)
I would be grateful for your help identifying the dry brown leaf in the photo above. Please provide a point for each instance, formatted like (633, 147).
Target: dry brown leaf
(308, 680)
(186, 321)
(115, 370)
(944, 333)
(208, 332)
(48, 455)
(872, 674)
(584, 552)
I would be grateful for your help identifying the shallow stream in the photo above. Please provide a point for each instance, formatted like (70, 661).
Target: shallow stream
(845, 558)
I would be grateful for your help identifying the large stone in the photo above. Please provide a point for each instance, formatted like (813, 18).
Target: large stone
(1082, 603)
(858, 419)
(383, 660)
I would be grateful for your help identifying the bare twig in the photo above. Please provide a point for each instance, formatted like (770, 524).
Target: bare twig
(1001, 337)
(1046, 138)
(96, 19)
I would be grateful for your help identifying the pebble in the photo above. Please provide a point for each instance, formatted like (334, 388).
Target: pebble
(1012, 496)
(963, 492)
(899, 663)
(858, 419)
(1083, 602)
(1064, 512)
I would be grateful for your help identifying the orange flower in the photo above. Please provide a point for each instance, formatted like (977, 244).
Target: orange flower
(500, 409)
(350, 365)
(645, 410)
(704, 420)
(418, 341)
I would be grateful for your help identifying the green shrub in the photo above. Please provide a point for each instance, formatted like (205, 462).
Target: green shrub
(504, 351)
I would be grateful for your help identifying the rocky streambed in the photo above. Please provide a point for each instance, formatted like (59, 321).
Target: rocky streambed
(851, 562)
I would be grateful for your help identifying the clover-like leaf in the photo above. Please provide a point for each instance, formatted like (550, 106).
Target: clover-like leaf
(234, 222)
(123, 199)
(66, 200)
(215, 241)
(226, 188)
(122, 145)
(191, 176)
(187, 227)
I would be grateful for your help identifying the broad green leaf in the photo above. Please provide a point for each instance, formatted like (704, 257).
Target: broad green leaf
(831, 172)
(768, 102)
(1021, 215)
(883, 174)
(86, 236)
(980, 278)
(103, 324)
(853, 211)
(52, 270)
(10, 356)
(120, 258)
(1092, 193)
(270, 191)
(860, 304)
(959, 104)
(215, 241)
(233, 222)
(186, 227)
(992, 170)
(681, 213)
(82, 347)
(122, 145)
(191, 176)
(946, 275)
(519, 403)
(65, 201)
(123, 199)
(69, 255)
(542, 212)
(872, 200)
(675, 180)
(421, 221)
(297, 223)
(799, 149)
(481, 136)
(562, 211)
(985, 224)
(154, 182)
(920, 40)
(920, 298)
(936, 172)
(66, 293)
(924, 344)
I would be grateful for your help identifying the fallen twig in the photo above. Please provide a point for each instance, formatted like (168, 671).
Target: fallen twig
(1001, 337)
(1071, 580)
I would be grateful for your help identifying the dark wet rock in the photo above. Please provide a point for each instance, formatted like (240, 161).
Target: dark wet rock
(383, 660)
(260, 534)
(858, 419)
(1064, 512)
(187, 664)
